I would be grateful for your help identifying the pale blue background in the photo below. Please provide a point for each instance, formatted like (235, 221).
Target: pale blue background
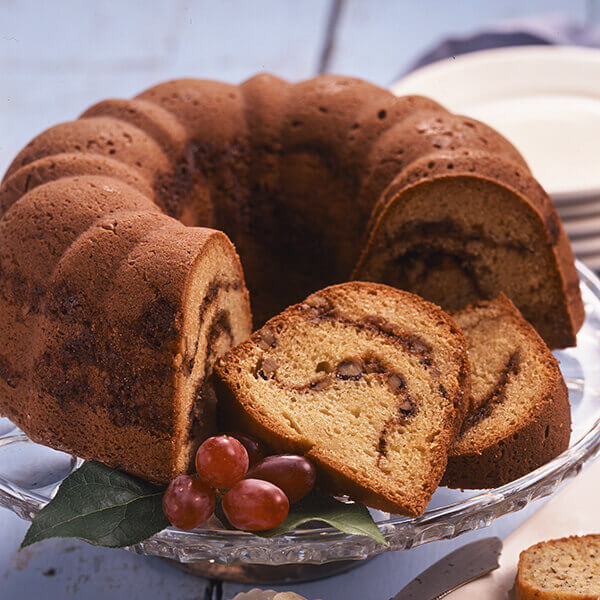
(58, 57)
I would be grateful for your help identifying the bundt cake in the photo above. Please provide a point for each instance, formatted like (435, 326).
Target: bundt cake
(563, 569)
(519, 417)
(368, 382)
(99, 251)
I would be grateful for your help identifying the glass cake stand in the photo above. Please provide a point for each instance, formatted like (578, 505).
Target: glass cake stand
(30, 474)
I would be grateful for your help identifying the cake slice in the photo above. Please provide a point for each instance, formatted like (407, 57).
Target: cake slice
(520, 415)
(563, 569)
(369, 382)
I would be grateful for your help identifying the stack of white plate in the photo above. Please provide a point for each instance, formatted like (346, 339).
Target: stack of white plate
(546, 100)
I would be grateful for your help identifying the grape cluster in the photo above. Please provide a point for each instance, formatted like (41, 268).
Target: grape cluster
(256, 489)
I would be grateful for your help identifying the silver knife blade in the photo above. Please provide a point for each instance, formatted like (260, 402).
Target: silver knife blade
(457, 568)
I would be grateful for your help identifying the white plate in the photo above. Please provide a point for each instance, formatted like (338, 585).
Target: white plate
(546, 100)
(582, 227)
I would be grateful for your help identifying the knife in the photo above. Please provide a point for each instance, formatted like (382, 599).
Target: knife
(453, 571)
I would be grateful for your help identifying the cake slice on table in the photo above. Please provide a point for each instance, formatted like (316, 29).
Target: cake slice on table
(520, 414)
(563, 569)
(368, 382)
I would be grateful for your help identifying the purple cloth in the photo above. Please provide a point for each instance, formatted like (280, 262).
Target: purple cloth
(535, 31)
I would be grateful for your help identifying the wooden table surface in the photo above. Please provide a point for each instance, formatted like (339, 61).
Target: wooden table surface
(57, 58)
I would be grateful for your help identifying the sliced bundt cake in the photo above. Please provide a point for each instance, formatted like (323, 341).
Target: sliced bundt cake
(520, 415)
(296, 175)
(367, 381)
(563, 569)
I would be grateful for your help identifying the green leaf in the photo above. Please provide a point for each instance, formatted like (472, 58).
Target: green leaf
(109, 508)
(354, 519)
(102, 506)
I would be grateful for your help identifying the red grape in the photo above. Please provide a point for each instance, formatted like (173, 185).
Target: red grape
(295, 475)
(188, 502)
(255, 505)
(221, 461)
(256, 449)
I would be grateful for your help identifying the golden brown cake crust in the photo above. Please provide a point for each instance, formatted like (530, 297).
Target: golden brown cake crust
(271, 164)
(540, 434)
(240, 410)
(95, 364)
